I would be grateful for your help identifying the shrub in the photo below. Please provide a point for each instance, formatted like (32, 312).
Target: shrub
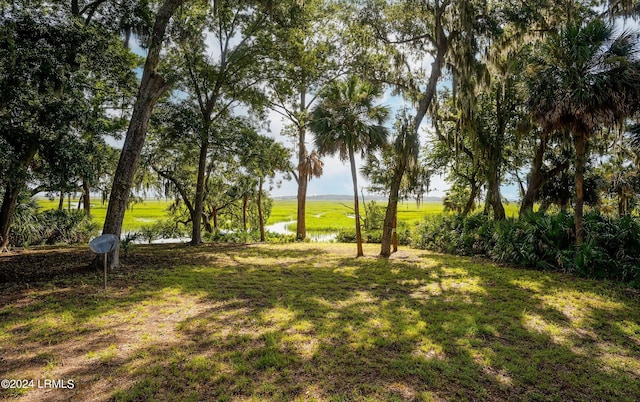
(31, 227)
(67, 227)
(545, 242)
(147, 233)
(272, 237)
(219, 236)
(375, 236)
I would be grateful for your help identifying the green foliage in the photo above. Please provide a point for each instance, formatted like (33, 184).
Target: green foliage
(544, 242)
(31, 227)
(127, 242)
(147, 233)
(162, 229)
(220, 236)
(374, 218)
(375, 235)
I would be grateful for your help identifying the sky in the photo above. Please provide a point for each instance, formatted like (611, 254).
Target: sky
(336, 177)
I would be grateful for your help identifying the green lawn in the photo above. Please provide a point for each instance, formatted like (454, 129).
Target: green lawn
(310, 322)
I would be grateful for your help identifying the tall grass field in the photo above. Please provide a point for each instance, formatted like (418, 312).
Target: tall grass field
(322, 215)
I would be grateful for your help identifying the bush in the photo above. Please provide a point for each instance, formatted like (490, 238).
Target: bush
(545, 242)
(31, 227)
(147, 233)
(219, 236)
(271, 237)
(375, 236)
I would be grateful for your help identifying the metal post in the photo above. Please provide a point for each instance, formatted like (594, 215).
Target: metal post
(105, 271)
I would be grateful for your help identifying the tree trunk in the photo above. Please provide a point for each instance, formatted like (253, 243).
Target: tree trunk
(471, 202)
(9, 203)
(10, 198)
(245, 200)
(356, 206)
(434, 77)
(86, 198)
(301, 226)
(196, 228)
(536, 178)
(303, 180)
(580, 145)
(260, 217)
(395, 229)
(215, 218)
(206, 223)
(61, 201)
(152, 87)
(493, 194)
(388, 227)
(623, 203)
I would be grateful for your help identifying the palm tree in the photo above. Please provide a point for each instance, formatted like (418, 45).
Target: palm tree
(405, 150)
(345, 121)
(586, 79)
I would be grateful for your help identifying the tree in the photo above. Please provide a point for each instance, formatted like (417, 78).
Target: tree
(307, 55)
(48, 66)
(266, 157)
(390, 172)
(452, 154)
(585, 79)
(409, 32)
(152, 87)
(216, 83)
(345, 121)
(174, 152)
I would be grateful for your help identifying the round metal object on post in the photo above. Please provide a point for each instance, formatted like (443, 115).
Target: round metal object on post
(104, 244)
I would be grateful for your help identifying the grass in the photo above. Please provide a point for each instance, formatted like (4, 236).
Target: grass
(332, 216)
(144, 214)
(322, 216)
(310, 322)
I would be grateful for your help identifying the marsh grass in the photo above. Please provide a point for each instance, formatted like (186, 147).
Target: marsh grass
(322, 215)
(310, 322)
(332, 216)
(144, 214)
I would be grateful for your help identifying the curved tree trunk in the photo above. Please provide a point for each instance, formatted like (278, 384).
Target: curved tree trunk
(86, 197)
(9, 203)
(303, 181)
(260, 216)
(536, 178)
(196, 219)
(580, 141)
(10, 199)
(152, 87)
(388, 228)
(471, 202)
(356, 206)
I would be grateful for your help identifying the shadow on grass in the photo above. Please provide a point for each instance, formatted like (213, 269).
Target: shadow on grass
(301, 321)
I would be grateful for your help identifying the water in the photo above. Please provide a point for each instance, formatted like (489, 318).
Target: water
(279, 228)
(283, 228)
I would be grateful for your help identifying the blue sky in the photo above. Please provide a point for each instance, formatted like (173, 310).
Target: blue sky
(336, 178)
